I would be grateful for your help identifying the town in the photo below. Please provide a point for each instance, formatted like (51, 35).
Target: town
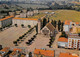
(38, 33)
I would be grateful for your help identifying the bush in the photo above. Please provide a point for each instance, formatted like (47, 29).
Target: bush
(29, 26)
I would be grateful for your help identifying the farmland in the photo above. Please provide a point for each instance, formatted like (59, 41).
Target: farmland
(61, 15)
(66, 15)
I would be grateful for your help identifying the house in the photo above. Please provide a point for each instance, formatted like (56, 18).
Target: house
(62, 42)
(11, 13)
(43, 53)
(68, 55)
(23, 15)
(24, 21)
(67, 26)
(18, 12)
(4, 51)
(35, 11)
(74, 41)
(14, 54)
(30, 13)
(6, 21)
(24, 11)
(49, 30)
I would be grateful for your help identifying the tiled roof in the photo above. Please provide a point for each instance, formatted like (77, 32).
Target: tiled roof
(44, 52)
(25, 19)
(5, 49)
(16, 49)
(77, 23)
(50, 27)
(67, 22)
(63, 39)
(13, 53)
(67, 55)
(6, 18)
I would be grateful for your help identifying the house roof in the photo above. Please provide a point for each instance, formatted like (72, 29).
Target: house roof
(67, 55)
(6, 18)
(16, 49)
(77, 23)
(63, 39)
(5, 49)
(44, 52)
(67, 22)
(25, 19)
(50, 27)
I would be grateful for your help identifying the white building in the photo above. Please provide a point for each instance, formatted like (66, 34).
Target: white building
(6, 21)
(25, 21)
(23, 15)
(74, 41)
(63, 42)
(35, 11)
(30, 13)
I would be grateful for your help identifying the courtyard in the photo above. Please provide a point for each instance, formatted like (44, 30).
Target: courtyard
(11, 34)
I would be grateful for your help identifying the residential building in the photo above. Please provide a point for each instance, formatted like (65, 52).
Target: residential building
(23, 15)
(68, 55)
(74, 41)
(43, 53)
(49, 30)
(6, 21)
(4, 51)
(24, 11)
(30, 13)
(25, 21)
(63, 42)
(11, 13)
(66, 26)
(18, 12)
(35, 11)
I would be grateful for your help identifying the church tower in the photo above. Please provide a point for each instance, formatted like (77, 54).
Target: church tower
(39, 25)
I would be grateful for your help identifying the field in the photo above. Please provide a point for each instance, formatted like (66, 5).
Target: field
(61, 15)
(66, 15)
(32, 6)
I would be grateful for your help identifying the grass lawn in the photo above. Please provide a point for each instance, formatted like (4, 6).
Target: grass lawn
(38, 16)
(66, 15)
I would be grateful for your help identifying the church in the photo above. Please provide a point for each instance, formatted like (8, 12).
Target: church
(48, 29)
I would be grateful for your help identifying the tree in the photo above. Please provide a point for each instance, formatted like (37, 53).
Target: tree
(52, 22)
(64, 35)
(15, 42)
(16, 25)
(59, 25)
(44, 22)
(30, 54)
(22, 25)
(29, 26)
(62, 26)
(17, 39)
(48, 20)
(55, 23)
(37, 28)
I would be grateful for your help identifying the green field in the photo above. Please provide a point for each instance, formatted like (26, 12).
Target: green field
(66, 15)
(61, 15)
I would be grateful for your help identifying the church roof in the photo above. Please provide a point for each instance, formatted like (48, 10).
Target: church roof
(50, 27)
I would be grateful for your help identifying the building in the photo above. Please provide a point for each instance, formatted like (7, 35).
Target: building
(68, 55)
(66, 26)
(30, 13)
(18, 12)
(35, 11)
(24, 11)
(23, 15)
(25, 21)
(4, 51)
(63, 42)
(43, 53)
(74, 41)
(6, 21)
(49, 30)
(11, 13)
